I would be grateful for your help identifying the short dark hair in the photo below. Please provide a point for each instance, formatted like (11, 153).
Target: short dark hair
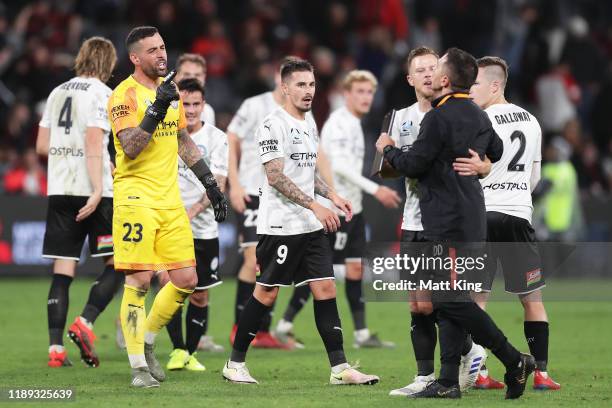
(138, 33)
(190, 85)
(489, 61)
(462, 69)
(419, 52)
(295, 65)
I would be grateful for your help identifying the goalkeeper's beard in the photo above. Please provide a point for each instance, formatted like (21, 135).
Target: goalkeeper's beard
(153, 72)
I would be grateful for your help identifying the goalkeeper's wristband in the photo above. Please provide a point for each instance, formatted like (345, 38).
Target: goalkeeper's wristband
(153, 115)
(203, 173)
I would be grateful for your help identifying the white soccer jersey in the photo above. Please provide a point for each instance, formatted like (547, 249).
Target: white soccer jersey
(404, 132)
(208, 115)
(507, 188)
(212, 143)
(342, 141)
(296, 142)
(71, 108)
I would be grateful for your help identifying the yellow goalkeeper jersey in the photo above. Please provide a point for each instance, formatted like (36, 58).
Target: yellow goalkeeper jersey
(151, 179)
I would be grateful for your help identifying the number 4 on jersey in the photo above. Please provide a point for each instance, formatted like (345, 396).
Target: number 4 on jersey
(65, 117)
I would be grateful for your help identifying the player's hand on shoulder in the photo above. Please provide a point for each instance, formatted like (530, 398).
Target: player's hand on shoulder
(327, 217)
(89, 207)
(388, 197)
(472, 166)
(239, 198)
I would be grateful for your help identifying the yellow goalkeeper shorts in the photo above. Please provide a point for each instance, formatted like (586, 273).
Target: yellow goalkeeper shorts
(152, 239)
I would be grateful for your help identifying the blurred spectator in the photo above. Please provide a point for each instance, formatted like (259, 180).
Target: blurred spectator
(28, 177)
(560, 207)
(216, 48)
(556, 93)
(19, 131)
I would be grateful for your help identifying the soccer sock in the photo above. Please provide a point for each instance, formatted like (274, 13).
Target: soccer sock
(267, 320)
(296, 303)
(102, 292)
(536, 334)
(167, 302)
(175, 330)
(356, 303)
(330, 329)
(424, 338)
(133, 318)
(57, 307)
(250, 321)
(467, 345)
(197, 323)
(243, 293)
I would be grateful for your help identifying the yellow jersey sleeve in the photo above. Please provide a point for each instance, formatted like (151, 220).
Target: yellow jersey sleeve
(123, 109)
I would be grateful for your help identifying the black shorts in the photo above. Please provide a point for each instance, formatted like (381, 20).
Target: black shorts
(513, 246)
(64, 236)
(414, 245)
(207, 263)
(349, 242)
(283, 260)
(247, 223)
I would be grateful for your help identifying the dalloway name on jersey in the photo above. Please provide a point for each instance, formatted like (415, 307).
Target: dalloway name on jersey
(212, 143)
(296, 142)
(404, 132)
(507, 188)
(71, 108)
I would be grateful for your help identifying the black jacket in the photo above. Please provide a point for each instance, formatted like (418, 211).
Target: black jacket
(452, 206)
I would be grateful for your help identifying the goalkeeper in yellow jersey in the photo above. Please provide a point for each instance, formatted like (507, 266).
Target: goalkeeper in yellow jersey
(151, 230)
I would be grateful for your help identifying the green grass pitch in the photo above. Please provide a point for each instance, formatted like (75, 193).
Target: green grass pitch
(580, 358)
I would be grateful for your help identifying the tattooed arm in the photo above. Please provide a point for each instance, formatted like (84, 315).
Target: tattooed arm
(187, 149)
(133, 141)
(321, 188)
(284, 185)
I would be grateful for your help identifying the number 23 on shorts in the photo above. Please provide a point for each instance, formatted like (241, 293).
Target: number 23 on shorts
(133, 232)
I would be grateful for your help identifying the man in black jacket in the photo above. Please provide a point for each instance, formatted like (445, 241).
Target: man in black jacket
(453, 212)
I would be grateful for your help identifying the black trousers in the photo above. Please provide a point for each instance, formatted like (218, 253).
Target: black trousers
(455, 319)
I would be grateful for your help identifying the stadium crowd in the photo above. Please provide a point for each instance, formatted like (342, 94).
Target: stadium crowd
(559, 53)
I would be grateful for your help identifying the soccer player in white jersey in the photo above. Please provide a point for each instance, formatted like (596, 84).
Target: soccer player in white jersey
(212, 143)
(194, 66)
(246, 178)
(293, 248)
(342, 140)
(420, 65)
(74, 134)
(507, 192)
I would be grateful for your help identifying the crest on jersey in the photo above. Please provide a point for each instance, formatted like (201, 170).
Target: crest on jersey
(174, 104)
(296, 137)
(406, 128)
